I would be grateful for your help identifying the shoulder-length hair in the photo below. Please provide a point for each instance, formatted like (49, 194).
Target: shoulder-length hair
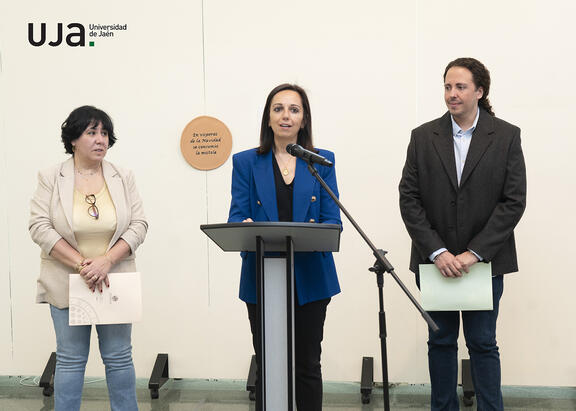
(82, 118)
(304, 134)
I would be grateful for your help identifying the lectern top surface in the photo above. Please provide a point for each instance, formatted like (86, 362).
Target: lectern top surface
(305, 236)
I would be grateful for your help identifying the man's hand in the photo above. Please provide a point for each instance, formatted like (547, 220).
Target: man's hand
(449, 265)
(467, 260)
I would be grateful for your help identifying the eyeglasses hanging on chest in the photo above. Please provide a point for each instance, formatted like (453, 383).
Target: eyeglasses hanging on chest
(92, 209)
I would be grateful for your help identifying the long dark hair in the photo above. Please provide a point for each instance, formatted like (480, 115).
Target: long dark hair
(480, 76)
(304, 134)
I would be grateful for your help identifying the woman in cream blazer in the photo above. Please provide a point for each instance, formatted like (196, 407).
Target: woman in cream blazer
(87, 217)
(51, 220)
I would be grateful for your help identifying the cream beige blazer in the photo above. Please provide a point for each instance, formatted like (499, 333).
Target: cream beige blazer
(51, 220)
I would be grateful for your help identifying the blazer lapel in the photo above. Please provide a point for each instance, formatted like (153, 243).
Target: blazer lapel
(303, 188)
(444, 144)
(66, 189)
(481, 140)
(265, 186)
(116, 190)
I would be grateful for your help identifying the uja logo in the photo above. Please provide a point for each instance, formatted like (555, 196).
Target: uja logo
(76, 35)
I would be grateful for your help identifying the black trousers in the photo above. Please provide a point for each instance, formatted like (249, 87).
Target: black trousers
(308, 334)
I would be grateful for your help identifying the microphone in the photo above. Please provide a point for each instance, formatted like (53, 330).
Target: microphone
(298, 151)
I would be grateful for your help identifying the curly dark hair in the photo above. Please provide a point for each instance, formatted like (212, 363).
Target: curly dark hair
(82, 118)
(480, 76)
(304, 134)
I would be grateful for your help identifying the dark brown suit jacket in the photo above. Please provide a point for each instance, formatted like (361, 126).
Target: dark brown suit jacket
(482, 212)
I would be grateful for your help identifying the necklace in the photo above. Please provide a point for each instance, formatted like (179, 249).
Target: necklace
(285, 171)
(86, 174)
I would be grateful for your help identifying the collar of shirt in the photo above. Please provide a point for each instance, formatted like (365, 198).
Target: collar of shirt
(458, 132)
(462, 140)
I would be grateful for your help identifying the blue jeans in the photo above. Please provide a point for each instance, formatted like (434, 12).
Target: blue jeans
(72, 347)
(480, 334)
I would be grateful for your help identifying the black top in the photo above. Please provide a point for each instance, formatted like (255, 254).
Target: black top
(283, 194)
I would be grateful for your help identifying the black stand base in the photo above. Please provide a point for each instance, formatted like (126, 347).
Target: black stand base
(251, 381)
(157, 379)
(47, 378)
(467, 384)
(159, 375)
(367, 380)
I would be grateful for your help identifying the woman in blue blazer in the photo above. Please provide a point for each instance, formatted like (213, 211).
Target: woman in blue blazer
(268, 184)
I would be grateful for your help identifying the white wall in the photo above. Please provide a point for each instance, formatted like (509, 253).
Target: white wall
(373, 72)
(5, 277)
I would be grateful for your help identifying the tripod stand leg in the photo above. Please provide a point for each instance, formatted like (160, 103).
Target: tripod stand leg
(379, 270)
(383, 351)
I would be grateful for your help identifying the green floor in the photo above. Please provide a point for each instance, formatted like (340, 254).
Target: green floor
(21, 394)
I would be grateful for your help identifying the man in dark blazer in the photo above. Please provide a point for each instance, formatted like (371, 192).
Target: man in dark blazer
(463, 190)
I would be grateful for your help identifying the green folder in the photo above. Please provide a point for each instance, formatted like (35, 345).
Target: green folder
(471, 292)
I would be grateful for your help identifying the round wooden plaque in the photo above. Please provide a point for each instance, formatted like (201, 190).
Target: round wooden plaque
(206, 143)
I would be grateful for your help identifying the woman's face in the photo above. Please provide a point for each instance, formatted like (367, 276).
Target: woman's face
(92, 144)
(286, 115)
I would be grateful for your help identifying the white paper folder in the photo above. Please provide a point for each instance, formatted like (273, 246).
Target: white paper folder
(471, 292)
(118, 304)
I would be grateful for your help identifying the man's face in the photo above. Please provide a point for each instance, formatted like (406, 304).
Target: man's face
(461, 94)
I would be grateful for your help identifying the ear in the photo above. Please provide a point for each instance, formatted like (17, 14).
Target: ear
(480, 92)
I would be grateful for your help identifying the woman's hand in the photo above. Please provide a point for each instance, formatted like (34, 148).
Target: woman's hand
(95, 272)
(248, 220)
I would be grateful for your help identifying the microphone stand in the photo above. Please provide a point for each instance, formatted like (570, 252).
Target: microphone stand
(380, 266)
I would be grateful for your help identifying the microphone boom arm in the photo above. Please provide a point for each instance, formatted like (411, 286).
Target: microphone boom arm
(381, 260)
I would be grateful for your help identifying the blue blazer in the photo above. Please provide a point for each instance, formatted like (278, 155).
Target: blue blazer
(254, 196)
